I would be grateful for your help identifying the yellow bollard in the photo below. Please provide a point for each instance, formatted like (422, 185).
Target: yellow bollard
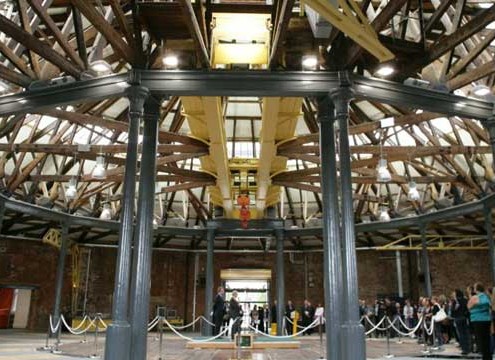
(273, 329)
(295, 320)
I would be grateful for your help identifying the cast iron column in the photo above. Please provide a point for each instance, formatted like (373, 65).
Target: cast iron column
(279, 235)
(425, 262)
(59, 279)
(332, 267)
(119, 331)
(353, 346)
(140, 288)
(2, 213)
(489, 124)
(210, 246)
(489, 238)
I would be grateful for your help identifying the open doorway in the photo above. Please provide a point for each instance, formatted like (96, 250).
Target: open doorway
(252, 285)
(14, 307)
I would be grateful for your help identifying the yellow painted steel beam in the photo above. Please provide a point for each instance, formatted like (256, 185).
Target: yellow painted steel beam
(204, 115)
(278, 122)
(359, 31)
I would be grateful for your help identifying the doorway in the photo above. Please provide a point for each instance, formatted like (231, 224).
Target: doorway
(252, 285)
(14, 307)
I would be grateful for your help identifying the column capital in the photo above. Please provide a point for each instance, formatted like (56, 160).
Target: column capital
(137, 95)
(341, 97)
(489, 123)
(326, 109)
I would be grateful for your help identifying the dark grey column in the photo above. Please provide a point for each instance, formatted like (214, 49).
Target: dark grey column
(353, 345)
(2, 214)
(279, 235)
(490, 126)
(140, 286)
(489, 238)
(59, 279)
(425, 261)
(210, 246)
(332, 267)
(119, 331)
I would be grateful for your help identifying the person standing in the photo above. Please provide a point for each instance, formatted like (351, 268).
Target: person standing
(460, 314)
(218, 310)
(235, 312)
(408, 313)
(290, 313)
(479, 307)
(307, 314)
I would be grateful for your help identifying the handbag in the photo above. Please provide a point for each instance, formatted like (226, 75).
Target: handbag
(440, 316)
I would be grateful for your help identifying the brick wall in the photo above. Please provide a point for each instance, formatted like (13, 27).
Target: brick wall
(172, 281)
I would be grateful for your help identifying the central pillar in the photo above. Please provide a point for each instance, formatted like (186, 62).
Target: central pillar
(332, 268)
(489, 237)
(141, 282)
(353, 345)
(119, 331)
(425, 263)
(210, 246)
(279, 235)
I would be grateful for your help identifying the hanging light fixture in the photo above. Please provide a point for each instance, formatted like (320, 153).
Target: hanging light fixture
(106, 213)
(309, 62)
(383, 175)
(99, 171)
(71, 191)
(481, 90)
(384, 216)
(413, 193)
(100, 67)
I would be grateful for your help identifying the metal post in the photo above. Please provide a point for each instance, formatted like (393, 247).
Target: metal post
(425, 261)
(59, 279)
(489, 238)
(2, 213)
(332, 268)
(398, 263)
(196, 266)
(279, 234)
(210, 245)
(119, 331)
(353, 345)
(140, 285)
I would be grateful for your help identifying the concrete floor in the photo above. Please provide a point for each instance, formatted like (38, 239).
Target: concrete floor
(23, 346)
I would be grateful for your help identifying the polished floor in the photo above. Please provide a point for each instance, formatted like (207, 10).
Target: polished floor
(23, 346)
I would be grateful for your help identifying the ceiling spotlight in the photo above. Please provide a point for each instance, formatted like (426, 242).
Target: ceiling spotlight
(384, 70)
(71, 191)
(383, 175)
(171, 61)
(309, 62)
(106, 213)
(481, 90)
(413, 193)
(384, 216)
(101, 66)
(99, 171)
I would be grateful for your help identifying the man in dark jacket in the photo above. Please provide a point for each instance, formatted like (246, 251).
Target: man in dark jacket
(459, 312)
(307, 315)
(218, 310)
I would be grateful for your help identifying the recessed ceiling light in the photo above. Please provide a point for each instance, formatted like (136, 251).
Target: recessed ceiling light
(384, 70)
(100, 66)
(309, 62)
(171, 61)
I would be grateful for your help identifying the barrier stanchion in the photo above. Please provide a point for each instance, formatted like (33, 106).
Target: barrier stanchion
(160, 346)
(398, 333)
(85, 340)
(95, 355)
(320, 331)
(56, 350)
(47, 346)
(389, 355)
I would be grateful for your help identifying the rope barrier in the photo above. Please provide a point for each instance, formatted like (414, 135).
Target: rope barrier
(54, 329)
(75, 331)
(412, 331)
(310, 326)
(202, 340)
(206, 320)
(375, 327)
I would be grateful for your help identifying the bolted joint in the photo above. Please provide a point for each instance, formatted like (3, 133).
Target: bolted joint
(341, 98)
(137, 96)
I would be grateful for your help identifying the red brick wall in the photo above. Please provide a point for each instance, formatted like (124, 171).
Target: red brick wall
(24, 263)
(172, 281)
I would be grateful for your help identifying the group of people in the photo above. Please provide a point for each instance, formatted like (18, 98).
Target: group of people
(225, 312)
(468, 317)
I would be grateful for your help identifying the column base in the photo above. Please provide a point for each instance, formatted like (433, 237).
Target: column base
(353, 342)
(118, 342)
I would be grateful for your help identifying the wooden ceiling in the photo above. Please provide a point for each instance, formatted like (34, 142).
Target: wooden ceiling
(449, 43)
